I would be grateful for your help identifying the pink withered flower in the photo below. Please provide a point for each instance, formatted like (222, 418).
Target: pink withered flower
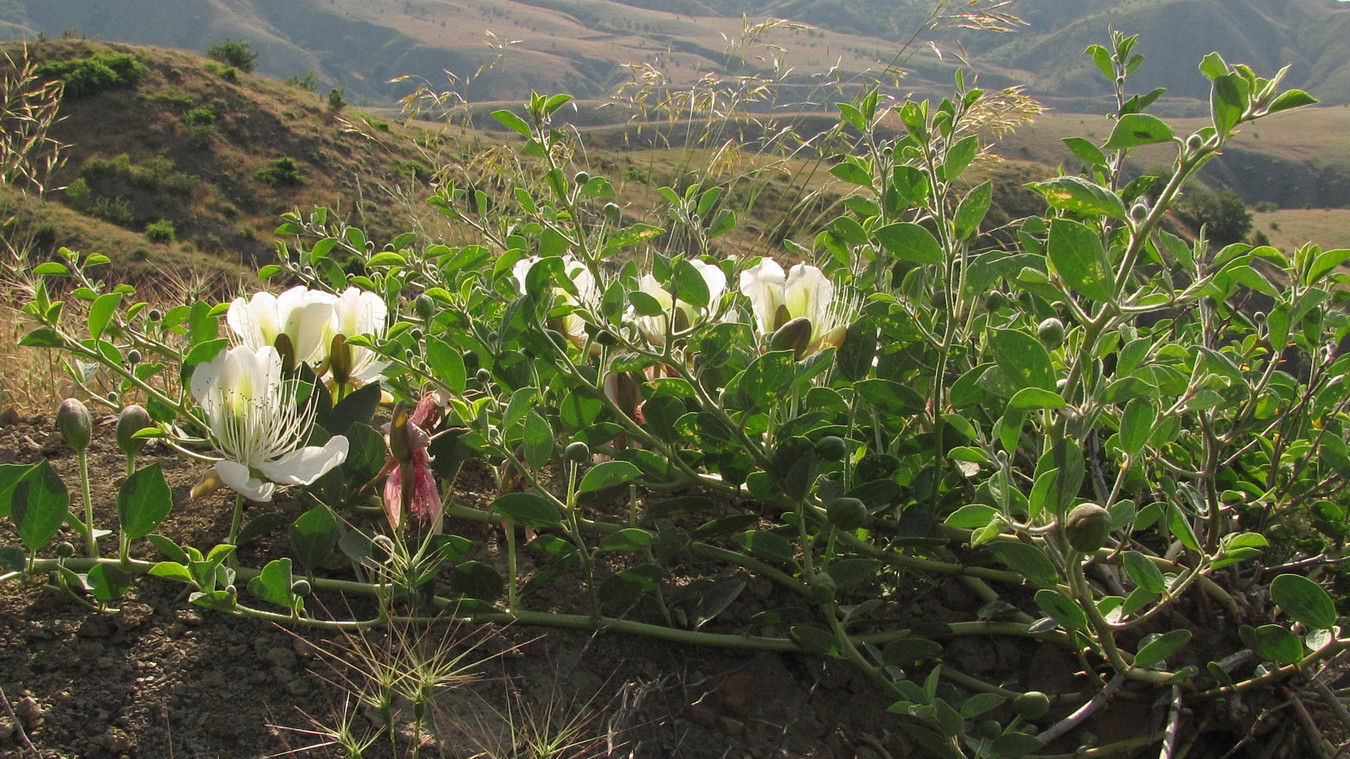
(411, 485)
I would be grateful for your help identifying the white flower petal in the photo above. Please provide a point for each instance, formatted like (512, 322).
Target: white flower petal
(808, 292)
(241, 480)
(763, 284)
(305, 465)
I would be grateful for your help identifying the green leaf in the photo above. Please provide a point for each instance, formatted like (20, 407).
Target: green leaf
(1181, 527)
(854, 358)
(1144, 573)
(528, 509)
(1061, 609)
(1023, 360)
(972, 210)
(314, 536)
(907, 241)
(959, 157)
(1213, 66)
(627, 539)
(890, 397)
(762, 382)
(1085, 150)
(608, 475)
(1325, 262)
(10, 475)
(1227, 102)
(447, 364)
(108, 582)
(143, 501)
(1026, 560)
(1303, 600)
(1081, 196)
(1273, 642)
(1136, 424)
(814, 639)
(513, 122)
(979, 704)
(1079, 257)
(101, 312)
(1157, 647)
(38, 506)
(42, 337)
(1013, 744)
(1291, 99)
(690, 286)
(1137, 129)
(476, 580)
(794, 467)
(1036, 398)
(852, 172)
(716, 600)
(538, 441)
(273, 583)
(261, 525)
(626, 586)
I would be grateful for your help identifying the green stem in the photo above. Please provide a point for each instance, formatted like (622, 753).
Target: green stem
(234, 522)
(83, 458)
(511, 597)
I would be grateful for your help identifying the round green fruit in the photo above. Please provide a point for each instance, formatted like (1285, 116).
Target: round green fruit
(578, 452)
(846, 513)
(1086, 527)
(823, 588)
(831, 448)
(1051, 333)
(1032, 705)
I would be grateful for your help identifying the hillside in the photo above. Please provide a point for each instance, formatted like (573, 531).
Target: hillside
(214, 153)
(501, 49)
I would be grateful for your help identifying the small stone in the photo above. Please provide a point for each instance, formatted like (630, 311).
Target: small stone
(29, 710)
(283, 658)
(117, 741)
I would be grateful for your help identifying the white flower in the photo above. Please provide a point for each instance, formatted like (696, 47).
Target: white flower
(257, 425)
(588, 294)
(684, 314)
(299, 313)
(358, 312)
(804, 292)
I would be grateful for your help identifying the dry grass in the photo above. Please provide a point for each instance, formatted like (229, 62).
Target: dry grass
(1289, 228)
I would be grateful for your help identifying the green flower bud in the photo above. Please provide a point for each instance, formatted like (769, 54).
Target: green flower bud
(133, 419)
(300, 587)
(578, 452)
(823, 588)
(154, 315)
(1051, 333)
(133, 357)
(846, 513)
(400, 445)
(75, 424)
(613, 214)
(484, 376)
(1086, 527)
(605, 337)
(65, 550)
(425, 307)
(831, 448)
(994, 300)
(581, 178)
(1032, 705)
(989, 728)
(286, 349)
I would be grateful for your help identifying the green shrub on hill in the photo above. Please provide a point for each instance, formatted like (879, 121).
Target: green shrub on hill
(89, 76)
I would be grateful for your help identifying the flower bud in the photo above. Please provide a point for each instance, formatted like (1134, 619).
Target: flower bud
(133, 357)
(577, 452)
(300, 587)
(400, 444)
(154, 315)
(340, 359)
(613, 214)
(795, 335)
(133, 419)
(1032, 705)
(425, 307)
(65, 550)
(286, 349)
(831, 448)
(483, 376)
(581, 178)
(846, 513)
(1086, 527)
(75, 424)
(1051, 333)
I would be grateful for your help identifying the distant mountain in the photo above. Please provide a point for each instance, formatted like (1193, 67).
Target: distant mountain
(583, 46)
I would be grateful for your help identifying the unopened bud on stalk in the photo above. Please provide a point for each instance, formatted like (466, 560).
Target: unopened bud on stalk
(400, 446)
(300, 588)
(65, 550)
(133, 357)
(577, 452)
(133, 419)
(74, 424)
(424, 306)
(285, 349)
(794, 335)
(340, 360)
